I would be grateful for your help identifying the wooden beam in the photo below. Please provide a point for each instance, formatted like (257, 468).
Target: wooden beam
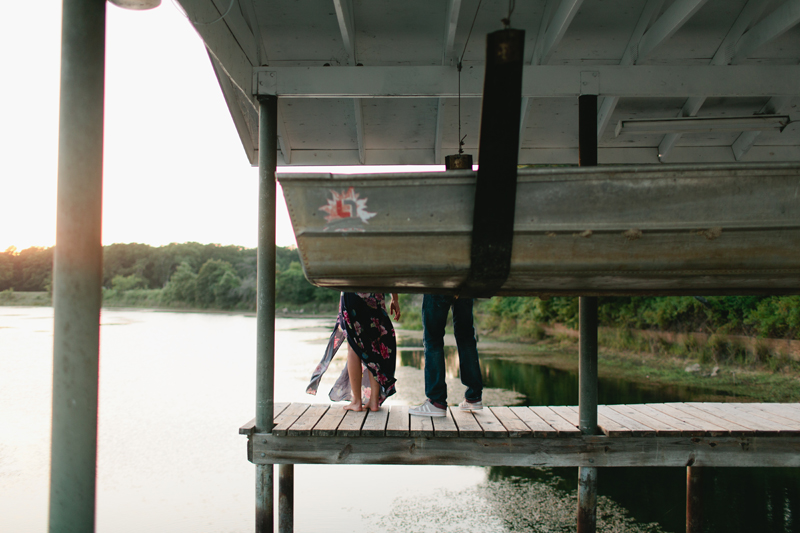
(344, 15)
(589, 451)
(771, 27)
(723, 56)
(556, 29)
(667, 24)
(543, 81)
(448, 58)
(745, 141)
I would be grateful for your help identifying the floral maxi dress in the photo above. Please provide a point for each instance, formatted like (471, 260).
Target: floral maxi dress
(364, 322)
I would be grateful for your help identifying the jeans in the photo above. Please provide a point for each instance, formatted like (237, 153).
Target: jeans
(434, 317)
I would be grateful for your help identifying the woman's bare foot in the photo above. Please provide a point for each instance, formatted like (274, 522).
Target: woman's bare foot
(353, 406)
(372, 407)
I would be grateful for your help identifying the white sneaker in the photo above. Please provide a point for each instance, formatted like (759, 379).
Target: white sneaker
(427, 409)
(470, 406)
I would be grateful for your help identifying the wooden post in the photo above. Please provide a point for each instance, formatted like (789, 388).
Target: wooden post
(694, 506)
(78, 267)
(265, 360)
(587, 403)
(286, 499)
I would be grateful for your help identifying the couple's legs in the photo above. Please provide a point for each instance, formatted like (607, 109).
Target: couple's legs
(354, 372)
(434, 318)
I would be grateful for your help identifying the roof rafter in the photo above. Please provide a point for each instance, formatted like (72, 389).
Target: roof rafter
(726, 53)
(526, 102)
(556, 29)
(644, 42)
(773, 26)
(450, 27)
(345, 17)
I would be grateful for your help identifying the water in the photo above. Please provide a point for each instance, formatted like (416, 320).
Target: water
(175, 387)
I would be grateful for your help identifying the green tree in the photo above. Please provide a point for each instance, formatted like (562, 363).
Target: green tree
(216, 283)
(182, 286)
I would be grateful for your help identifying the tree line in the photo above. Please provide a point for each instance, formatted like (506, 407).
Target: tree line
(187, 274)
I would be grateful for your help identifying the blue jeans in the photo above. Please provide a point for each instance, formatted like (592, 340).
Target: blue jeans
(434, 317)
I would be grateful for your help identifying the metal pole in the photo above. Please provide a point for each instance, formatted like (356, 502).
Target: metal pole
(694, 505)
(78, 268)
(587, 409)
(286, 499)
(265, 369)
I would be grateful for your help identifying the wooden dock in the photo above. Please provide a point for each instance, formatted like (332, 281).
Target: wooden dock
(664, 434)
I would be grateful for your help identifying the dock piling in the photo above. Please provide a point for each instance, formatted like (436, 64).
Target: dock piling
(78, 268)
(587, 373)
(265, 319)
(694, 504)
(286, 499)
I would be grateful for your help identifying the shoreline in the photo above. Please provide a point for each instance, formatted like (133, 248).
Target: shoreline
(558, 349)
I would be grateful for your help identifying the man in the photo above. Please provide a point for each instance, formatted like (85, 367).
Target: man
(434, 317)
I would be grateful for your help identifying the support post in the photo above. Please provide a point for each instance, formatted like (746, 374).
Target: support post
(587, 377)
(694, 505)
(265, 360)
(78, 268)
(286, 499)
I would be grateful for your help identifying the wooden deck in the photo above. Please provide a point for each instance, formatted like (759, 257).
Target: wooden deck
(665, 434)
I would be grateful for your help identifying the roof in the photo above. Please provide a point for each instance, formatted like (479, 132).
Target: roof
(375, 81)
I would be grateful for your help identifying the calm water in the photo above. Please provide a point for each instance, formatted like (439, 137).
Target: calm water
(175, 387)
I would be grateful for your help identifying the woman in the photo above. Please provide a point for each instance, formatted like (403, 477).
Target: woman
(371, 344)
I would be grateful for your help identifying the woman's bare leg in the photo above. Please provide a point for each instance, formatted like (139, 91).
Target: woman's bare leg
(354, 373)
(374, 394)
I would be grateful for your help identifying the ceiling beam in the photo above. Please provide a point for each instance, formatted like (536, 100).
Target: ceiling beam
(745, 141)
(526, 102)
(544, 81)
(344, 14)
(723, 56)
(448, 58)
(345, 17)
(556, 29)
(667, 24)
(644, 42)
(607, 105)
(772, 26)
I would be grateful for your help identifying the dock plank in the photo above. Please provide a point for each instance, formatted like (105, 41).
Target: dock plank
(491, 425)
(556, 421)
(351, 424)
(609, 425)
(467, 425)
(375, 424)
(306, 422)
(326, 427)
(711, 425)
(398, 425)
(512, 423)
(539, 427)
(683, 428)
(287, 417)
(445, 426)
(657, 424)
(732, 415)
(782, 409)
(421, 426)
(789, 426)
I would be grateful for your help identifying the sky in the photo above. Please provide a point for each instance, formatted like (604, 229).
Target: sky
(174, 169)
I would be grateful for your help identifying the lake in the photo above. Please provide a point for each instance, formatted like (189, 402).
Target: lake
(175, 387)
